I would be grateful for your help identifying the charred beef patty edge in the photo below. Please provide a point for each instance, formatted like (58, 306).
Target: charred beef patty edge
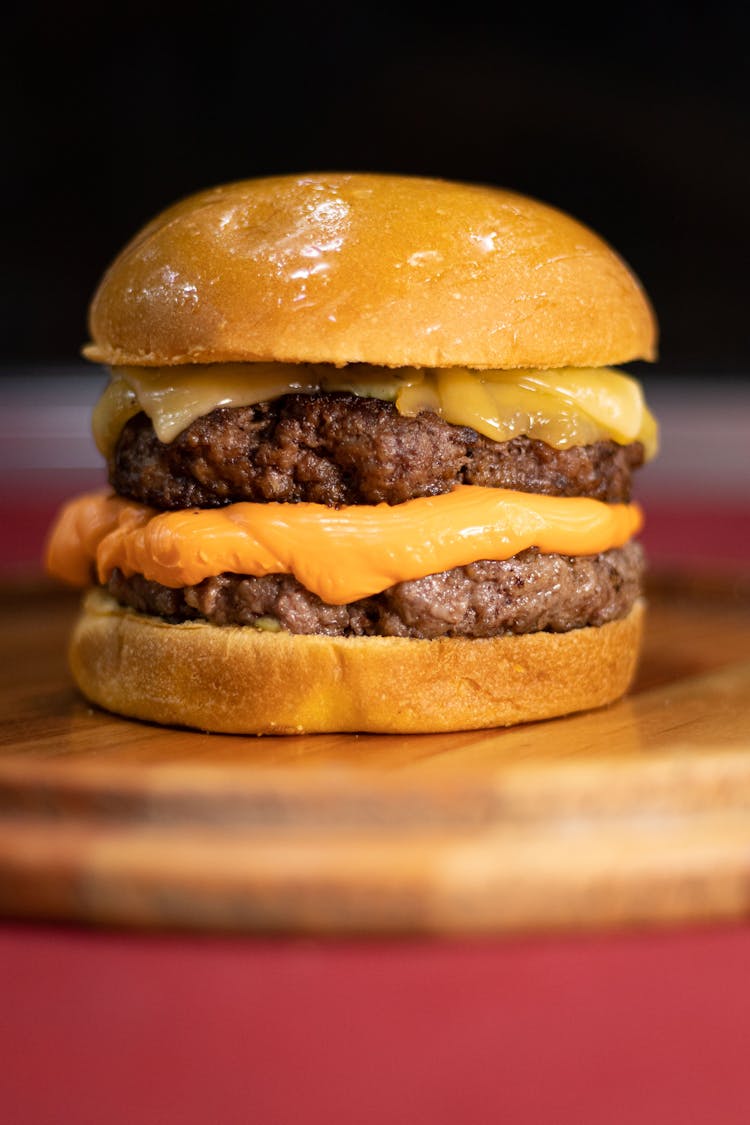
(530, 592)
(338, 448)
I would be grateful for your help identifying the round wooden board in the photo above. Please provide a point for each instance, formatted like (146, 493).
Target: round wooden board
(637, 814)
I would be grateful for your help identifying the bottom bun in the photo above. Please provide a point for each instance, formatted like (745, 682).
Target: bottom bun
(240, 680)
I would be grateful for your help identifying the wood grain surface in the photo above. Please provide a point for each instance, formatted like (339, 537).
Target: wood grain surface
(637, 814)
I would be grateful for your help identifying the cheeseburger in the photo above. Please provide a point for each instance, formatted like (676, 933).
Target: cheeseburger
(370, 463)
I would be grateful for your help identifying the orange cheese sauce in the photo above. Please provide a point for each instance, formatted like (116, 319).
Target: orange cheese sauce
(341, 554)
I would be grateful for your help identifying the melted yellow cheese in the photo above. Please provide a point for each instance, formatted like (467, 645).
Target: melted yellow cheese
(572, 406)
(341, 554)
(173, 397)
(562, 408)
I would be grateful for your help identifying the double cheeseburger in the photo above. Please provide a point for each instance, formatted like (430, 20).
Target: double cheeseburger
(370, 464)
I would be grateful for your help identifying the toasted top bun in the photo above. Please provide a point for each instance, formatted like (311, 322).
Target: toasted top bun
(358, 268)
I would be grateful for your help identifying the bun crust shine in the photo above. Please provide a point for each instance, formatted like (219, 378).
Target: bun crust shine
(239, 680)
(359, 268)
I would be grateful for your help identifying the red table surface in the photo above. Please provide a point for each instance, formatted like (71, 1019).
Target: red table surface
(613, 1030)
(621, 1029)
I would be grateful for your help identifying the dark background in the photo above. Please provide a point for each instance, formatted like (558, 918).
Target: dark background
(635, 120)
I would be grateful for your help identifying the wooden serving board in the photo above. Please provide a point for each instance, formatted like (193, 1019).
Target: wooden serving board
(632, 815)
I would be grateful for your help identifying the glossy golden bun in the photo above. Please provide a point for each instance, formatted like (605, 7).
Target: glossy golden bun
(242, 681)
(388, 270)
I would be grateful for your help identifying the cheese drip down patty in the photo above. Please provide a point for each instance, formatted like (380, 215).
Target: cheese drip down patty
(571, 406)
(339, 554)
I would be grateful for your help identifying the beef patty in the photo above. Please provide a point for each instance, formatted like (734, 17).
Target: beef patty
(527, 593)
(341, 449)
